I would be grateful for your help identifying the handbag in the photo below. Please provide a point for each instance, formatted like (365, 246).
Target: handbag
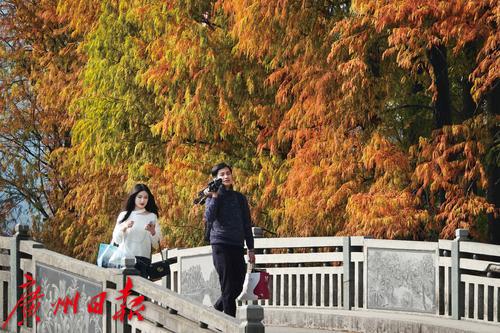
(116, 259)
(159, 269)
(105, 253)
(256, 285)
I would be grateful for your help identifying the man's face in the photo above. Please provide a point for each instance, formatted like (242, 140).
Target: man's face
(226, 176)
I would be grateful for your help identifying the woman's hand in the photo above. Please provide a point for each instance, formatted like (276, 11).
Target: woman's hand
(127, 225)
(151, 228)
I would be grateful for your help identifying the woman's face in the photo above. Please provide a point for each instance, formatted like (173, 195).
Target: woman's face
(141, 200)
(226, 176)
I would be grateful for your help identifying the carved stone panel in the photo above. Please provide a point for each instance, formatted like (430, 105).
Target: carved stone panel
(59, 284)
(399, 279)
(199, 280)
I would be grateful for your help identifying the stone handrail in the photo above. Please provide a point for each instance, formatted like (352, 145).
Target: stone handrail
(451, 279)
(60, 276)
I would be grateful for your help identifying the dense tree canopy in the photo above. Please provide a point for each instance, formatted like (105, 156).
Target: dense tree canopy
(340, 117)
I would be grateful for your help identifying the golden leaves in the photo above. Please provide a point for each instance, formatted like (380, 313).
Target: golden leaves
(385, 214)
(451, 172)
(385, 159)
(316, 104)
(415, 26)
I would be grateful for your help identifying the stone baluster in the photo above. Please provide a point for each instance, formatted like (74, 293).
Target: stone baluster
(348, 274)
(16, 275)
(251, 317)
(457, 293)
(128, 269)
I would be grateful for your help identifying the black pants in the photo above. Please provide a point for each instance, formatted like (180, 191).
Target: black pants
(229, 262)
(142, 265)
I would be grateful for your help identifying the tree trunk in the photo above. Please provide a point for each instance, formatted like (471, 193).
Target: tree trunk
(468, 109)
(493, 191)
(468, 104)
(442, 106)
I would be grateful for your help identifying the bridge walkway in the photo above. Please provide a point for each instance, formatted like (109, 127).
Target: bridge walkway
(276, 329)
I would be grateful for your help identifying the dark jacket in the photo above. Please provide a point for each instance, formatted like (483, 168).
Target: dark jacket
(228, 219)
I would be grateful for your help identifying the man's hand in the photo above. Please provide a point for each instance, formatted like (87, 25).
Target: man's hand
(251, 256)
(210, 194)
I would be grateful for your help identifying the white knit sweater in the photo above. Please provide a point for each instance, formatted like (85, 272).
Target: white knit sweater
(137, 241)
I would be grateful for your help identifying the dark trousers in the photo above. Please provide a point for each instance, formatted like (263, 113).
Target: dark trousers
(142, 265)
(229, 262)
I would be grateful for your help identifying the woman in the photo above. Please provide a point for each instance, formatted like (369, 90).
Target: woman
(137, 227)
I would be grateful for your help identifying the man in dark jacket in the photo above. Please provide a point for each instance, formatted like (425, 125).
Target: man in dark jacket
(228, 219)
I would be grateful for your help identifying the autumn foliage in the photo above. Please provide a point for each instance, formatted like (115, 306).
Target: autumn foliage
(340, 117)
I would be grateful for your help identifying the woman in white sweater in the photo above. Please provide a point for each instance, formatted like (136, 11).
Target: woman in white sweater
(137, 227)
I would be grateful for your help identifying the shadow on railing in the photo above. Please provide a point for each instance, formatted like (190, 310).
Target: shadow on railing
(76, 296)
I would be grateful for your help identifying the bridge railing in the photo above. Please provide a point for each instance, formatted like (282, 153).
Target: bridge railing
(456, 279)
(469, 281)
(95, 297)
(453, 279)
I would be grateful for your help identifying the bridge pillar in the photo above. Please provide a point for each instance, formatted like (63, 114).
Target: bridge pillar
(129, 264)
(251, 317)
(348, 283)
(16, 276)
(457, 304)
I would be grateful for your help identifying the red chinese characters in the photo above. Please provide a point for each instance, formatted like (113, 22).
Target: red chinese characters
(66, 303)
(96, 303)
(30, 303)
(136, 302)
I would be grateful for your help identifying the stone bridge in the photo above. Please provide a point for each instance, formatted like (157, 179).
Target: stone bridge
(353, 284)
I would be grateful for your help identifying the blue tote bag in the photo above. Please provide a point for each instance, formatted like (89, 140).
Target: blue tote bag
(104, 254)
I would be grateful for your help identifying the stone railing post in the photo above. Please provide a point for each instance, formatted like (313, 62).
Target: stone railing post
(257, 232)
(129, 269)
(16, 275)
(165, 281)
(348, 273)
(457, 301)
(251, 317)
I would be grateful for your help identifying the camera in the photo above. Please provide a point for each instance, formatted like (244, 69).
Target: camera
(213, 186)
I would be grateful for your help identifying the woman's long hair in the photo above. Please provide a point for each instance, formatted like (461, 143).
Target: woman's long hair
(130, 203)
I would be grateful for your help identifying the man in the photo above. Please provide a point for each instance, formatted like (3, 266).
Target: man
(228, 219)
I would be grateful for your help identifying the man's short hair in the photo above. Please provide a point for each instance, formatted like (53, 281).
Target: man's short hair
(220, 166)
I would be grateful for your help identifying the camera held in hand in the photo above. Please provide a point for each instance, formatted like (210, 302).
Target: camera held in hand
(213, 186)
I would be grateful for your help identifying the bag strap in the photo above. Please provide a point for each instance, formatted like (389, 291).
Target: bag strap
(161, 251)
(252, 269)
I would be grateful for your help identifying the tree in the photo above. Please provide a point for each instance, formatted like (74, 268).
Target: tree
(449, 171)
(37, 79)
(339, 117)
